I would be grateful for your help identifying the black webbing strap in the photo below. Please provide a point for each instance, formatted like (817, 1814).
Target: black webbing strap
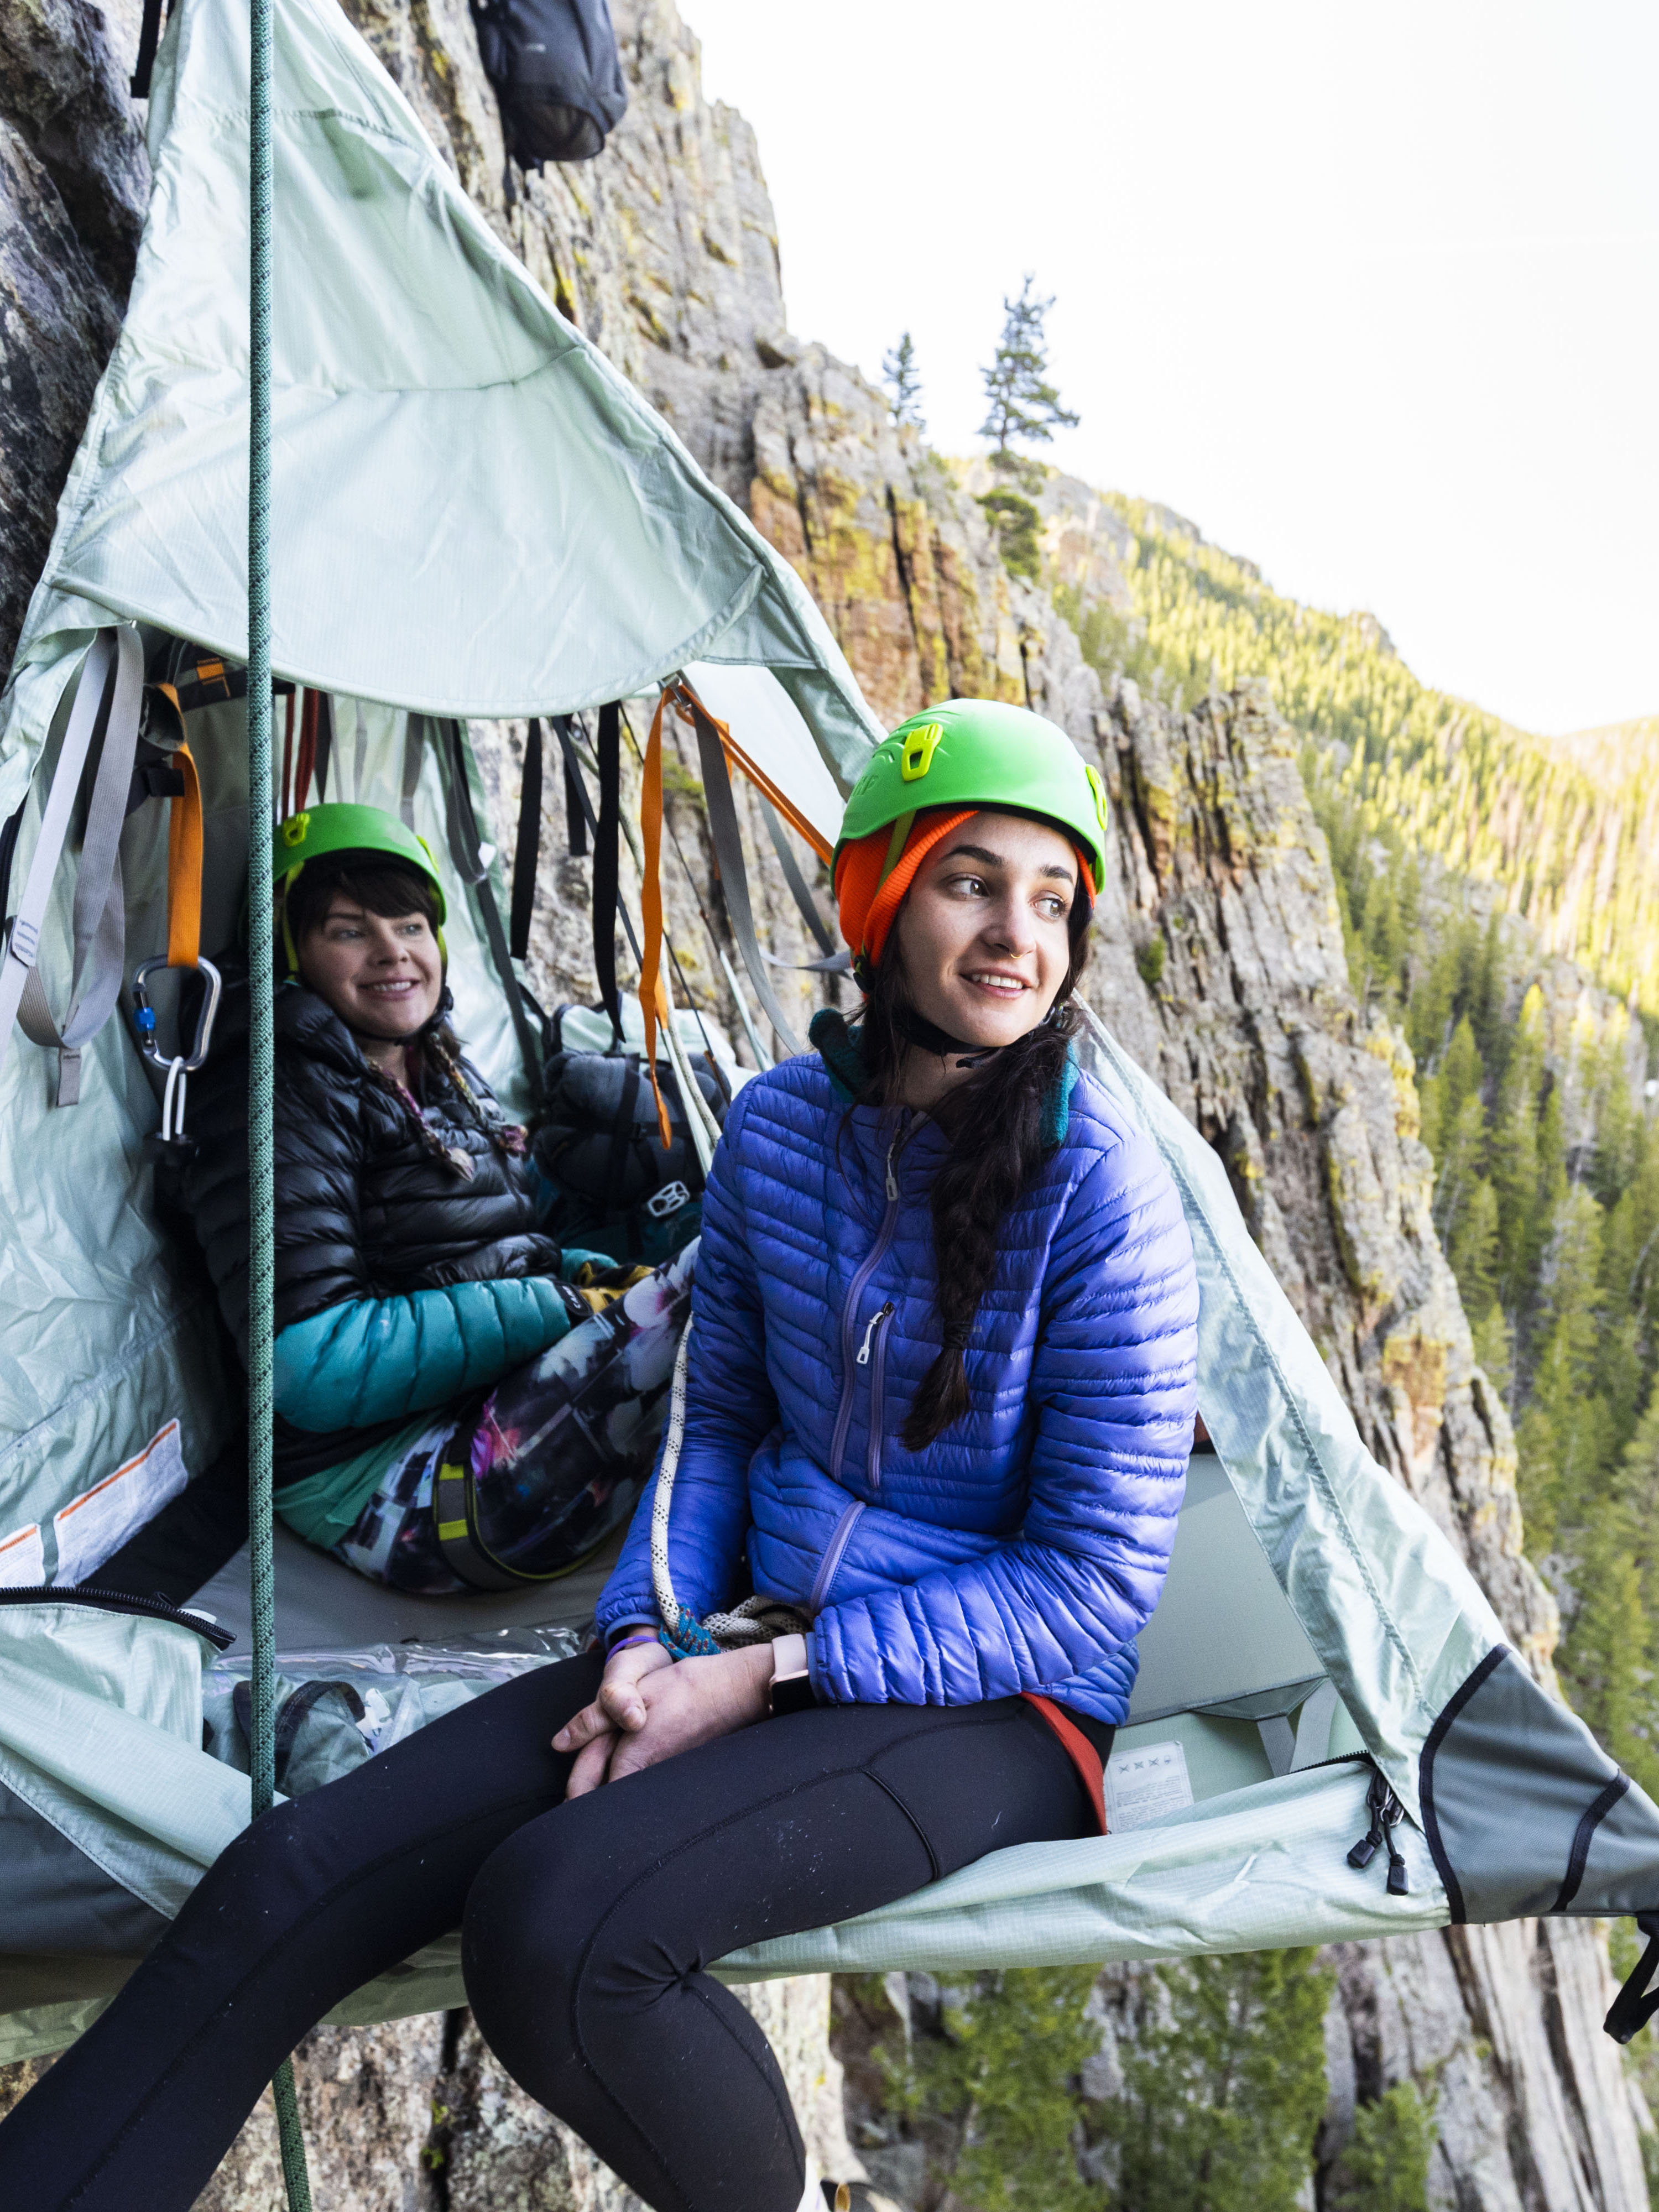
(728, 859)
(325, 741)
(578, 807)
(454, 1514)
(149, 37)
(9, 830)
(291, 1714)
(576, 782)
(607, 842)
(621, 1137)
(797, 883)
(1638, 2000)
(455, 1497)
(466, 852)
(527, 846)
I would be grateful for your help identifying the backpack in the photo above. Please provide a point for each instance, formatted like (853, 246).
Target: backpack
(557, 73)
(595, 1141)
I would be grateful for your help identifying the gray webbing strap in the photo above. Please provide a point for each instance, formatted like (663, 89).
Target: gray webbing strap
(796, 881)
(734, 880)
(466, 851)
(108, 695)
(414, 747)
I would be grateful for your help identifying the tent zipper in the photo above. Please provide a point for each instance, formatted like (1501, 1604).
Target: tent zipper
(849, 1360)
(1386, 1811)
(151, 1608)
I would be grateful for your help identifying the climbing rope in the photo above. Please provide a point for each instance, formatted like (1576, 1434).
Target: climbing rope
(756, 1619)
(261, 1036)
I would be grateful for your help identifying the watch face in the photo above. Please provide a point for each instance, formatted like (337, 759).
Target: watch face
(791, 1695)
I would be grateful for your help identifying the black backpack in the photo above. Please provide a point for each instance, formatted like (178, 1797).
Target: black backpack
(595, 1138)
(556, 74)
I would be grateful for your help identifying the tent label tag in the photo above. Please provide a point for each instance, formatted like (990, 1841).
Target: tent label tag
(1144, 1785)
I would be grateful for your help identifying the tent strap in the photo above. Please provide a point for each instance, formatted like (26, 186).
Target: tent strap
(466, 851)
(727, 841)
(607, 858)
(526, 845)
(792, 875)
(108, 700)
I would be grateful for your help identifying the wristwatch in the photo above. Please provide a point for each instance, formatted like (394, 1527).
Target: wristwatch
(792, 1686)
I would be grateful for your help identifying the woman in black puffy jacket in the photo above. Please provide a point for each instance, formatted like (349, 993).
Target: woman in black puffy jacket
(451, 1408)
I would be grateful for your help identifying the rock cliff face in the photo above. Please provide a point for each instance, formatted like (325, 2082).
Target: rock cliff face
(1219, 964)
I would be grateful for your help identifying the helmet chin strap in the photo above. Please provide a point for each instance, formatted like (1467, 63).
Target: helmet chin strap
(916, 1029)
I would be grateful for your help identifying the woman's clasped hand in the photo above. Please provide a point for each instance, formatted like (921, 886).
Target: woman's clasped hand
(651, 1708)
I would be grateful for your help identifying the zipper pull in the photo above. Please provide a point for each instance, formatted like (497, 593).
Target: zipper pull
(892, 1180)
(876, 1320)
(1386, 1811)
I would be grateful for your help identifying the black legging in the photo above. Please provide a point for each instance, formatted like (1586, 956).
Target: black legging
(588, 1928)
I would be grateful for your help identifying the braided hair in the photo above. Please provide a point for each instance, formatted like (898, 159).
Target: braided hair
(997, 1119)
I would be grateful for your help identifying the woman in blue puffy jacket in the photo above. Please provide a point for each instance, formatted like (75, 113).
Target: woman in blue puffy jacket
(874, 1617)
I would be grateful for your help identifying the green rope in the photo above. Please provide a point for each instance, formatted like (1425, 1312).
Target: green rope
(261, 1039)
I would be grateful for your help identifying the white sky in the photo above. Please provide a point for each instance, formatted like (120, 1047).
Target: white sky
(1370, 293)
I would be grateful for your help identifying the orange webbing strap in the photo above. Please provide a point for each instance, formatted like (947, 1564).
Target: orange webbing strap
(653, 1000)
(185, 868)
(762, 782)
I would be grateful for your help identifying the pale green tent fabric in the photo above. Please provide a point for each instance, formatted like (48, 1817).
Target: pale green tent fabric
(473, 513)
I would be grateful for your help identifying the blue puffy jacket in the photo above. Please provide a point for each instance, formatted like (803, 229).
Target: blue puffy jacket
(1025, 1548)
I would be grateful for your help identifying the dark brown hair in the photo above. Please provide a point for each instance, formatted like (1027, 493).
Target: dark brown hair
(997, 1119)
(378, 886)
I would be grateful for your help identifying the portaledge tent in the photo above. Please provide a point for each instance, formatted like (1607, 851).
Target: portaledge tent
(476, 516)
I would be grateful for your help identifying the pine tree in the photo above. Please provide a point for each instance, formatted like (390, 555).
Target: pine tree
(1473, 1249)
(1386, 2167)
(903, 382)
(1224, 2089)
(1562, 1439)
(1513, 1156)
(1007, 2074)
(1022, 406)
(1455, 1127)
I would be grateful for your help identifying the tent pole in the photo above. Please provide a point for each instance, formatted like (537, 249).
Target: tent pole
(261, 971)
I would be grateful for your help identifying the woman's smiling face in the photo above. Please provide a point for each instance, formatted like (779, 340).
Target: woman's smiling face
(984, 932)
(381, 974)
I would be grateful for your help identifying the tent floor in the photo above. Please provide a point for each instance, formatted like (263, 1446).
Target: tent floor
(322, 1606)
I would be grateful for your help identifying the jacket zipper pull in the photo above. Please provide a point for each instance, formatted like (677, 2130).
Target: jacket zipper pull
(892, 1180)
(1386, 1810)
(876, 1320)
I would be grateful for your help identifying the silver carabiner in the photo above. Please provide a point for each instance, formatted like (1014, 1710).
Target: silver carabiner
(144, 1017)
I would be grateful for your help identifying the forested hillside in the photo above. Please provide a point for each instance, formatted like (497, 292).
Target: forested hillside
(1568, 828)
(1465, 855)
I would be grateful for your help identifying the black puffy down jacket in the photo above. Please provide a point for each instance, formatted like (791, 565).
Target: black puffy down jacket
(363, 1209)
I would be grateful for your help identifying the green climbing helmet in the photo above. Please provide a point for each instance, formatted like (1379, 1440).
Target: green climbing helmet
(341, 827)
(979, 752)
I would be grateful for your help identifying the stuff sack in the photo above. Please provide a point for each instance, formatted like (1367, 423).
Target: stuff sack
(596, 1141)
(557, 73)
